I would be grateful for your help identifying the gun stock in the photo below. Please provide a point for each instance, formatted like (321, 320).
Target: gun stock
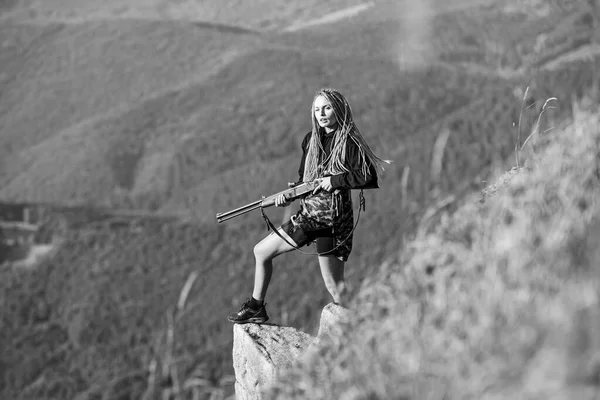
(290, 194)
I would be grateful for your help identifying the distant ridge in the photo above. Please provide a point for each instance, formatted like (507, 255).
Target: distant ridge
(335, 16)
(224, 28)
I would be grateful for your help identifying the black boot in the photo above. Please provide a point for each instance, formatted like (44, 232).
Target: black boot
(247, 314)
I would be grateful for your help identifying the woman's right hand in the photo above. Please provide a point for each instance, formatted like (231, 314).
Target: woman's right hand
(281, 201)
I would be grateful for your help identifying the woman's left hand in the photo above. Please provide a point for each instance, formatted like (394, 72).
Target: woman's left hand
(325, 184)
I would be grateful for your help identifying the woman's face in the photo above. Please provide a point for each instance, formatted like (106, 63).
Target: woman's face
(324, 113)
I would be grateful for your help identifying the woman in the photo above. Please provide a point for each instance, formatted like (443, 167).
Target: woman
(335, 154)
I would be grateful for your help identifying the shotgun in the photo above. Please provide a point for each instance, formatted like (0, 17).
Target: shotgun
(290, 194)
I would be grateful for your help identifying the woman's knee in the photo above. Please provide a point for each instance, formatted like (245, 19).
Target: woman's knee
(262, 251)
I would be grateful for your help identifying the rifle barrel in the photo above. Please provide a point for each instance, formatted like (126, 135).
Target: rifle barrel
(238, 211)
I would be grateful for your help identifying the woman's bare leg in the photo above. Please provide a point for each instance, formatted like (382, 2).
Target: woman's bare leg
(264, 253)
(332, 270)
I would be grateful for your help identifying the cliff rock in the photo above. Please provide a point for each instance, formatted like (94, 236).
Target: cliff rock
(333, 318)
(260, 352)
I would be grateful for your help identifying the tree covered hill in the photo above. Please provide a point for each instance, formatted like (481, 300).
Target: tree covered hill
(144, 114)
(129, 114)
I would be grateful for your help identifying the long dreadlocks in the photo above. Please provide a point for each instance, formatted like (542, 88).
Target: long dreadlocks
(347, 129)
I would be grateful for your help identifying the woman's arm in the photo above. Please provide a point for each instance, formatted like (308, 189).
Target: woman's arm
(354, 178)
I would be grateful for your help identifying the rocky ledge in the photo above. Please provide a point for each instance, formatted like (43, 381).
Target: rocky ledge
(260, 352)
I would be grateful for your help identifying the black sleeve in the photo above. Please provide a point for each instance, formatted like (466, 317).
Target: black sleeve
(354, 178)
(303, 159)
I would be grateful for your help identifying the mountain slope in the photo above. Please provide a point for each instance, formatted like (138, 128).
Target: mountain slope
(72, 73)
(182, 140)
(131, 110)
(204, 129)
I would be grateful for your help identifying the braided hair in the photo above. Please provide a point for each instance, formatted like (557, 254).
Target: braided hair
(335, 163)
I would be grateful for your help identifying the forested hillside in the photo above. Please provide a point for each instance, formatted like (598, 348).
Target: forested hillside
(133, 125)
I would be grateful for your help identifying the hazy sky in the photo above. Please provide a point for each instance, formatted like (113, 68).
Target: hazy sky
(412, 44)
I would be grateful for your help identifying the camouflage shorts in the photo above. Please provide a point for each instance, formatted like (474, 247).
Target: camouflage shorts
(329, 210)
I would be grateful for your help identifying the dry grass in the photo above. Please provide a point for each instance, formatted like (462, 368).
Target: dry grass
(483, 307)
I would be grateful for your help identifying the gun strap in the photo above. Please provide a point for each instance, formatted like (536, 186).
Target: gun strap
(361, 206)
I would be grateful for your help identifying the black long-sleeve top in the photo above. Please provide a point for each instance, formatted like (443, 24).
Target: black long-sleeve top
(354, 178)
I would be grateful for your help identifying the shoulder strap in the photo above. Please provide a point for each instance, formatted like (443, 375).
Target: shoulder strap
(361, 206)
